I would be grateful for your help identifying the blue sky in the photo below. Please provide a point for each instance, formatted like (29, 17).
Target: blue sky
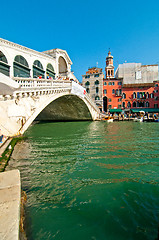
(85, 29)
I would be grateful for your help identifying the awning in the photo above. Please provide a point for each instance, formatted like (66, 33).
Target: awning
(149, 110)
(115, 110)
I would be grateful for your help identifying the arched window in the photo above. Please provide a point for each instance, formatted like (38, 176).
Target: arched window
(152, 95)
(4, 67)
(50, 71)
(97, 89)
(124, 95)
(87, 90)
(97, 98)
(108, 72)
(21, 67)
(134, 104)
(147, 95)
(134, 95)
(138, 104)
(113, 91)
(129, 105)
(96, 82)
(105, 91)
(87, 83)
(38, 70)
(147, 104)
(123, 104)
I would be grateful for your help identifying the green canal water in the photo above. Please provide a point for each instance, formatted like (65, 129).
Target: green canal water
(90, 180)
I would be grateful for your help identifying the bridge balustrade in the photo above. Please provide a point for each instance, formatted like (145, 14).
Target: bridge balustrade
(36, 87)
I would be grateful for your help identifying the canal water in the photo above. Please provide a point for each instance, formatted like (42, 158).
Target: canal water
(90, 180)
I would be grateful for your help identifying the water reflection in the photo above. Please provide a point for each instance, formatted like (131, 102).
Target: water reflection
(90, 180)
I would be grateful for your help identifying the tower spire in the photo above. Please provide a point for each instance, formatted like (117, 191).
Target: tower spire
(109, 70)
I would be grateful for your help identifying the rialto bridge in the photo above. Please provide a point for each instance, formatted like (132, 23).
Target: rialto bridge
(39, 86)
(42, 99)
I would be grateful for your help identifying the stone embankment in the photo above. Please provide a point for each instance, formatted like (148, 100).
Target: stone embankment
(10, 198)
(11, 202)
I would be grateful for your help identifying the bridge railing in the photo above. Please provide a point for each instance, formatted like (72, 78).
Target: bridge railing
(35, 83)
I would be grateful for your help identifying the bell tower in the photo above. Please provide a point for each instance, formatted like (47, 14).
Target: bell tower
(109, 69)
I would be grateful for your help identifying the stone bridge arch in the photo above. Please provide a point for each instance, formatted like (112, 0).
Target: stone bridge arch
(61, 107)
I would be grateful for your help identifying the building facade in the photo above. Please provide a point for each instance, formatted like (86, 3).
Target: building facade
(140, 95)
(134, 86)
(136, 73)
(93, 82)
(112, 87)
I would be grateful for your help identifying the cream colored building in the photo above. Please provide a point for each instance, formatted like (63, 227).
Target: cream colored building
(93, 82)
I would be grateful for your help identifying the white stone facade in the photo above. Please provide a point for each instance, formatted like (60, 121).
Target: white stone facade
(136, 73)
(56, 57)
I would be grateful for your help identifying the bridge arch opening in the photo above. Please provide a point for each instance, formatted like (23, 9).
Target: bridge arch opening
(4, 67)
(65, 108)
(21, 67)
(62, 67)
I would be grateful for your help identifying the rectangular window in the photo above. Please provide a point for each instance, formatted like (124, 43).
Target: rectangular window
(96, 75)
(87, 76)
(110, 100)
(155, 105)
(138, 75)
(105, 91)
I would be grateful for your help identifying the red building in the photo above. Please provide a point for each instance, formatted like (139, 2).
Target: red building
(140, 95)
(112, 93)
(112, 87)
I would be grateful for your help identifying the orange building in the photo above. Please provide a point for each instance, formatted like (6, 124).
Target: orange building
(112, 87)
(112, 93)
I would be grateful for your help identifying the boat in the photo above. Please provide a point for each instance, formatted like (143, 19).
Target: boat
(108, 119)
(156, 120)
(138, 119)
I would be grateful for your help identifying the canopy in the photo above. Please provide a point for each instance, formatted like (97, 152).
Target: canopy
(115, 110)
(149, 110)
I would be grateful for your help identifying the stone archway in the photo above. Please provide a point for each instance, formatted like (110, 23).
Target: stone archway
(105, 104)
(62, 67)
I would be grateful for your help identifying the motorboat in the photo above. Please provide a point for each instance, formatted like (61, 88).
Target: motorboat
(108, 119)
(138, 119)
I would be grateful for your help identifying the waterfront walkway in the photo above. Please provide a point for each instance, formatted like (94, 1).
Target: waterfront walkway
(10, 196)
